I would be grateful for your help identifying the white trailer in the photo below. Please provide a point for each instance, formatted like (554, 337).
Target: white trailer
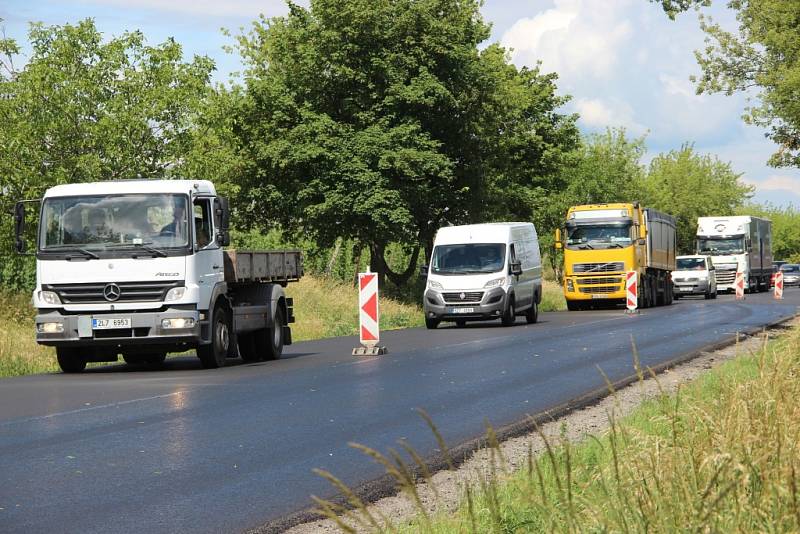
(737, 243)
(137, 268)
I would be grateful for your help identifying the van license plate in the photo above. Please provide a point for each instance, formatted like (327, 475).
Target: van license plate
(110, 323)
(462, 310)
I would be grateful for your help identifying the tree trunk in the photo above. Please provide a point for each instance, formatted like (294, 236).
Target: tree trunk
(400, 279)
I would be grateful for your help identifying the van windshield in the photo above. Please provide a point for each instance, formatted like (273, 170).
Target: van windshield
(691, 264)
(468, 258)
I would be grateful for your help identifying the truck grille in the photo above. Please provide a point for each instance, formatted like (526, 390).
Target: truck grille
(600, 289)
(600, 281)
(726, 276)
(474, 296)
(128, 292)
(614, 266)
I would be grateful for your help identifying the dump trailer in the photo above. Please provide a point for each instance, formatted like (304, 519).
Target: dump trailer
(137, 268)
(601, 242)
(737, 243)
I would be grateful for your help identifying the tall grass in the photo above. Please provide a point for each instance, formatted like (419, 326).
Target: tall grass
(722, 455)
(19, 353)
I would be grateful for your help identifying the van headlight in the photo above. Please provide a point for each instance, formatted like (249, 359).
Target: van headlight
(176, 293)
(49, 297)
(433, 284)
(497, 282)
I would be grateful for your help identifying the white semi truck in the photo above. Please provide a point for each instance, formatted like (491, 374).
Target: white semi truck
(737, 243)
(137, 268)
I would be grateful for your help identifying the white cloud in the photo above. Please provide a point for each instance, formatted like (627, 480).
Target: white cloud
(598, 114)
(777, 182)
(679, 87)
(574, 38)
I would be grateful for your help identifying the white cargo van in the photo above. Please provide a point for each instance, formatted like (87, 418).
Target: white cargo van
(481, 272)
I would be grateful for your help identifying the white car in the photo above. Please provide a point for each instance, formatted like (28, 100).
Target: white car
(695, 275)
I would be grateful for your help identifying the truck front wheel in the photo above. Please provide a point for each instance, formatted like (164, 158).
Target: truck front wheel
(69, 360)
(214, 354)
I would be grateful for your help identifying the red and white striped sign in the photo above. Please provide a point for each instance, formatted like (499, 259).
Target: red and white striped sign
(632, 290)
(779, 285)
(738, 285)
(368, 309)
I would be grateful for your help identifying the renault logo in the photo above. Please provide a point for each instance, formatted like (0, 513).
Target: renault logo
(463, 296)
(111, 292)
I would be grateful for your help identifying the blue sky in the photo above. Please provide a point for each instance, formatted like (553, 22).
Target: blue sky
(623, 61)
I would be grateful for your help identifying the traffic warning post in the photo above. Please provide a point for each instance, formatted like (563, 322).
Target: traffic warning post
(779, 285)
(632, 291)
(739, 285)
(368, 316)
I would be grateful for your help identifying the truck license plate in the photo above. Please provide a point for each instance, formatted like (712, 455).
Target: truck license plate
(599, 296)
(462, 310)
(111, 322)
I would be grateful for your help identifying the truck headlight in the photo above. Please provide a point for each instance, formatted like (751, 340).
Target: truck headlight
(433, 284)
(177, 322)
(497, 282)
(176, 293)
(49, 297)
(570, 285)
(50, 328)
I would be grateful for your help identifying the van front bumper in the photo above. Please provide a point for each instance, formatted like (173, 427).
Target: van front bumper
(146, 330)
(491, 305)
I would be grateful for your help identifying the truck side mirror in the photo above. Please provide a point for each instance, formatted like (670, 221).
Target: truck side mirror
(223, 215)
(642, 241)
(558, 244)
(19, 227)
(515, 268)
(423, 271)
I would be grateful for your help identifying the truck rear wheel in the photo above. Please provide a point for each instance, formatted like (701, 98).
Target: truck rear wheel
(70, 360)
(214, 354)
(247, 348)
(269, 341)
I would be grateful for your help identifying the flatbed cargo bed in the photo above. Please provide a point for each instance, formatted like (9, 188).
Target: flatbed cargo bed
(275, 266)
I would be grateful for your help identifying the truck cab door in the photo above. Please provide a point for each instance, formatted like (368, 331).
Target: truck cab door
(207, 250)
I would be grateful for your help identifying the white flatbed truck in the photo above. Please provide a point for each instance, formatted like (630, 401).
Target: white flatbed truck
(137, 268)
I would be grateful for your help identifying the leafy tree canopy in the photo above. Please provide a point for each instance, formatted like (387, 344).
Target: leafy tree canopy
(380, 121)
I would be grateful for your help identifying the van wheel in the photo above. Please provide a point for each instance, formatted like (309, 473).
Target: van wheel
(532, 315)
(269, 341)
(214, 354)
(461, 323)
(431, 324)
(70, 360)
(510, 315)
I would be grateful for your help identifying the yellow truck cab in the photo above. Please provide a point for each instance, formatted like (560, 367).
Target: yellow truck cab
(601, 242)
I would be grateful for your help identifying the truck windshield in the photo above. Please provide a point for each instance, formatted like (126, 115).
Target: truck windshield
(114, 221)
(719, 245)
(691, 264)
(468, 258)
(608, 235)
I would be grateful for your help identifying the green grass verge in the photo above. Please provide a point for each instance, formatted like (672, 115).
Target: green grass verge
(722, 455)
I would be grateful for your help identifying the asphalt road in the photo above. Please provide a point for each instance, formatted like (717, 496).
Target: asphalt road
(189, 450)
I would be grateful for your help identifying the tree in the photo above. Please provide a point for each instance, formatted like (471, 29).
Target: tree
(603, 168)
(84, 109)
(379, 121)
(764, 55)
(690, 185)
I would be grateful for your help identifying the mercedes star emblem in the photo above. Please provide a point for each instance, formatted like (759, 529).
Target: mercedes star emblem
(111, 292)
